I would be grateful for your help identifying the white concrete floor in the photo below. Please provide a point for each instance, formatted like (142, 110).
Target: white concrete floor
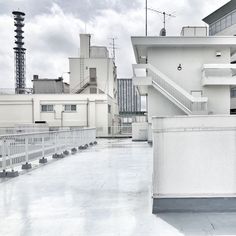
(103, 191)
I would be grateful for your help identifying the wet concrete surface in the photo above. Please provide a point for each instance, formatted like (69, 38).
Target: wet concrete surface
(102, 191)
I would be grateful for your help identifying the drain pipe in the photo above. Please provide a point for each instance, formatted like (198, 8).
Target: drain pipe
(87, 111)
(32, 100)
(62, 112)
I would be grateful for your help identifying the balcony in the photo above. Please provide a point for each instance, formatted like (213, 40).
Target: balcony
(218, 74)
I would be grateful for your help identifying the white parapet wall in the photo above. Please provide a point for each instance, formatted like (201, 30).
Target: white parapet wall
(194, 159)
(140, 131)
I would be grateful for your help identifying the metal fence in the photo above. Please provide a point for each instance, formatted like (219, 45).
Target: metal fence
(115, 131)
(17, 149)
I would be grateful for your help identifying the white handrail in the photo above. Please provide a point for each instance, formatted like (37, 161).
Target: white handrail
(170, 82)
(23, 148)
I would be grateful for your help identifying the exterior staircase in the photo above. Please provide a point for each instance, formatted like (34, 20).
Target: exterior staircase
(81, 86)
(162, 83)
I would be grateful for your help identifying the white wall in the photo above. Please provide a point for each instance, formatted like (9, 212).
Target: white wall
(194, 156)
(167, 59)
(19, 109)
(158, 105)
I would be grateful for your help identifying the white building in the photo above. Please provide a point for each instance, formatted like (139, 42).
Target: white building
(222, 22)
(94, 72)
(185, 75)
(57, 110)
(91, 103)
(187, 80)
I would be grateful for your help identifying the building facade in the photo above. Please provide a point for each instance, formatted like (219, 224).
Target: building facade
(59, 110)
(222, 22)
(93, 72)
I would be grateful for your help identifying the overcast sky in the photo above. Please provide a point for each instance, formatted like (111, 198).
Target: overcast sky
(52, 29)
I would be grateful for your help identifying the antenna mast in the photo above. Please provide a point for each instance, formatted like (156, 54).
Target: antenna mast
(163, 31)
(146, 8)
(113, 47)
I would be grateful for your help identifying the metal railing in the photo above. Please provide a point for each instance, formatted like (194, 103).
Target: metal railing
(115, 131)
(185, 100)
(10, 91)
(83, 84)
(17, 149)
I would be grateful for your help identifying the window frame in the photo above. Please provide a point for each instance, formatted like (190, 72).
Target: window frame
(70, 110)
(47, 110)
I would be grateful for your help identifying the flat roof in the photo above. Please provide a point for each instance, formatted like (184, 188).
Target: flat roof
(221, 12)
(142, 43)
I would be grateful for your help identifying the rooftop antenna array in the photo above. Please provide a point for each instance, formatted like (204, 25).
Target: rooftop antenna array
(163, 30)
(19, 51)
(113, 47)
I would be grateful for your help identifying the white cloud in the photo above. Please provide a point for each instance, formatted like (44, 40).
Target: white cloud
(52, 33)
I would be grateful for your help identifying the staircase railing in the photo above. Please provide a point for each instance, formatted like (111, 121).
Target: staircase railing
(174, 92)
(80, 85)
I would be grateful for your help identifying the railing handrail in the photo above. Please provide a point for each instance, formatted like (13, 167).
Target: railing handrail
(218, 66)
(46, 132)
(79, 85)
(171, 83)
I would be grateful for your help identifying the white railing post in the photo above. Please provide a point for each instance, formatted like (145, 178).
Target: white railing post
(26, 149)
(43, 160)
(4, 158)
(27, 165)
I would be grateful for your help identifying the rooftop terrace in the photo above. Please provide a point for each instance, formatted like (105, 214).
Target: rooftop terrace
(102, 191)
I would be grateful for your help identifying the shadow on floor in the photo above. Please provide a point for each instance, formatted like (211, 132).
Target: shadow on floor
(201, 223)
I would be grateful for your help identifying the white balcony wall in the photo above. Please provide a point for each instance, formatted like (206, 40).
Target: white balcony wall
(194, 156)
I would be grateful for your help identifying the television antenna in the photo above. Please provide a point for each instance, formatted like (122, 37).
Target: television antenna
(165, 14)
(113, 47)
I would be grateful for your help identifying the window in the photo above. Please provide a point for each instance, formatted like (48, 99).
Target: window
(228, 20)
(47, 108)
(109, 108)
(93, 90)
(217, 26)
(93, 75)
(223, 23)
(234, 18)
(70, 108)
(233, 92)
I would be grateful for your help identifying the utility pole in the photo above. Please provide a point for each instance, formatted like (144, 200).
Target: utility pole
(146, 8)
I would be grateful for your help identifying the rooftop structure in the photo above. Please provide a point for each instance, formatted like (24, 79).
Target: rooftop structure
(223, 20)
(19, 51)
(93, 71)
(49, 86)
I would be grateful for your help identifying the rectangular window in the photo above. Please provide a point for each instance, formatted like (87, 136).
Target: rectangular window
(223, 23)
(217, 26)
(228, 20)
(93, 75)
(47, 108)
(93, 90)
(234, 18)
(70, 108)
(233, 92)
(212, 29)
(109, 108)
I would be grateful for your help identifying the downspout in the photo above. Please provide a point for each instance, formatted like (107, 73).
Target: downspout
(87, 112)
(32, 100)
(62, 112)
